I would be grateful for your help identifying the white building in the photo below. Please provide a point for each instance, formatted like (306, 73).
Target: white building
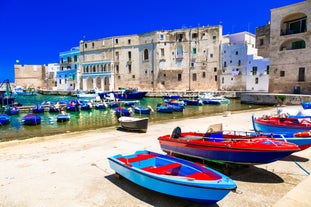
(241, 68)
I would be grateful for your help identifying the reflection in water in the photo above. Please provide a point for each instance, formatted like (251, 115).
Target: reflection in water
(95, 119)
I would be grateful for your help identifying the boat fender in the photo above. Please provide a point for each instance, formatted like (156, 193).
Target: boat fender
(303, 134)
(176, 132)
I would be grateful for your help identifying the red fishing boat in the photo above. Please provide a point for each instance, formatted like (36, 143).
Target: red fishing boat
(227, 146)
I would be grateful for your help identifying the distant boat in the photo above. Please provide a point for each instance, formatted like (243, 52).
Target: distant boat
(306, 105)
(37, 109)
(134, 123)
(129, 93)
(164, 108)
(278, 124)
(142, 109)
(172, 176)
(63, 117)
(120, 111)
(4, 119)
(31, 119)
(92, 94)
(11, 110)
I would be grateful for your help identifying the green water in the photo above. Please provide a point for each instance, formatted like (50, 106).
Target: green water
(95, 119)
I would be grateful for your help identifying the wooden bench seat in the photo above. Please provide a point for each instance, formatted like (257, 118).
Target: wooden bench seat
(201, 176)
(139, 157)
(164, 169)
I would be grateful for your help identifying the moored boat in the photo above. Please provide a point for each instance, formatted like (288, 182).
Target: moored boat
(134, 123)
(31, 119)
(4, 119)
(63, 117)
(227, 146)
(129, 93)
(281, 125)
(142, 109)
(173, 176)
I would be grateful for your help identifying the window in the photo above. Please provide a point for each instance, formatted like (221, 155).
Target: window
(261, 42)
(117, 68)
(194, 35)
(268, 70)
(216, 78)
(192, 64)
(133, 76)
(179, 51)
(225, 64)
(239, 63)
(203, 75)
(146, 54)
(194, 77)
(256, 80)
(179, 77)
(85, 45)
(298, 44)
(117, 41)
(236, 52)
(161, 36)
(301, 74)
(254, 71)
(194, 50)
(215, 69)
(179, 37)
(211, 55)
(162, 52)
(117, 55)
(129, 41)
(130, 68)
(75, 58)
(282, 73)
(214, 37)
(93, 44)
(129, 55)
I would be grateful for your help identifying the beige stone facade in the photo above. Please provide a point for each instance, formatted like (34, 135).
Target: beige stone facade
(290, 49)
(185, 59)
(31, 76)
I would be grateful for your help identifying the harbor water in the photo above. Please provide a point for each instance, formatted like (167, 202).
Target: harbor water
(94, 119)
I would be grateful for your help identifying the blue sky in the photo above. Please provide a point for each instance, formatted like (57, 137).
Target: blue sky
(35, 31)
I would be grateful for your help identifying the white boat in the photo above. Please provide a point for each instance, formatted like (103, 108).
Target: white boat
(134, 123)
(93, 94)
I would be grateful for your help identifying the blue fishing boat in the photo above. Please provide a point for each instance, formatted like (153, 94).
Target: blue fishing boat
(173, 176)
(164, 108)
(142, 109)
(11, 110)
(63, 117)
(37, 109)
(31, 119)
(281, 125)
(306, 105)
(73, 105)
(129, 93)
(120, 111)
(4, 119)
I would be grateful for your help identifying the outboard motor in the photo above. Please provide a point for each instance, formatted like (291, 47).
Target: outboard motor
(176, 132)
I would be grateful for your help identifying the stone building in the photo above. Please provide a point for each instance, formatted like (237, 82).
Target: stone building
(184, 59)
(241, 68)
(290, 49)
(31, 76)
(67, 77)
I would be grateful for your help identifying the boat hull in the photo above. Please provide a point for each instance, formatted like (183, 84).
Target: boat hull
(263, 126)
(31, 119)
(133, 123)
(202, 191)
